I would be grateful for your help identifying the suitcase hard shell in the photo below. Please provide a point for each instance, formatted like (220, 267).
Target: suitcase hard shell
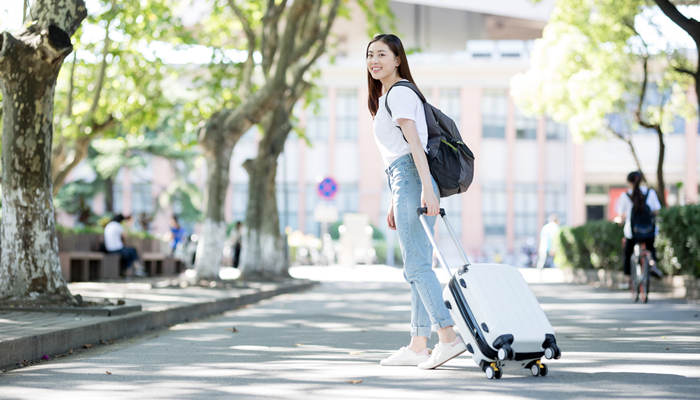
(497, 315)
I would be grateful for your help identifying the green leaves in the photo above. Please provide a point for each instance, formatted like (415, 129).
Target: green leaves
(115, 83)
(588, 65)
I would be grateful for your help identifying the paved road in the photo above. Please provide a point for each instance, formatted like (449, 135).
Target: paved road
(326, 344)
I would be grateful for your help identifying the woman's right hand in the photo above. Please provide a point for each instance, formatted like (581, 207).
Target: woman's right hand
(390, 218)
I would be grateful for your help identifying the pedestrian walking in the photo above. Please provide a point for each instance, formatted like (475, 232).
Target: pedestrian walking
(545, 257)
(237, 238)
(402, 141)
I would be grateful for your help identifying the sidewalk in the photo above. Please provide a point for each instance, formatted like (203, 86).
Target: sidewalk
(326, 343)
(26, 337)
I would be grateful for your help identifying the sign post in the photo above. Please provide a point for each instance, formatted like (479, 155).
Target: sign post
(325, 214)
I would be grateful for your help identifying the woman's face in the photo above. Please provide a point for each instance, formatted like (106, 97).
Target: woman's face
(381, 62)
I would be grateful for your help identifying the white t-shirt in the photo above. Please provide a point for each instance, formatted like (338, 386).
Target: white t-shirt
(113, 236)
(624, 206)
(404, 103)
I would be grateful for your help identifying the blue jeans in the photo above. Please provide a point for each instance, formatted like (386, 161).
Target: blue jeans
(427, 305)
(128, 254)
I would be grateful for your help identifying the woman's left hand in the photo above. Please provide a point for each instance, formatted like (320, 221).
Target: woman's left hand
(429, 199)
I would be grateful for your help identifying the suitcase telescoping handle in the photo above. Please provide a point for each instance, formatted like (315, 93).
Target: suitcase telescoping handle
(428, 231)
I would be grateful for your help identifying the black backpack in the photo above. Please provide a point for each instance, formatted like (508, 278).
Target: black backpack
(642, 220)
(450, 160)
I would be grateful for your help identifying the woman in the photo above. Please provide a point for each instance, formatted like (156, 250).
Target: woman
(114, 243)
(633, 202)
(402, 139)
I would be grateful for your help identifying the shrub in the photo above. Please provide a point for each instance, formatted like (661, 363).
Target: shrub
(598, 244)
(603, 240)
(380, 249)
(678, 243)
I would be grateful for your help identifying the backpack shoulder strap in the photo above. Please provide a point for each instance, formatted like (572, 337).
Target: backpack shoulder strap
(406, 84)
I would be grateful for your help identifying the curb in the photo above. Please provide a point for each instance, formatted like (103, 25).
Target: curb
(32, 348)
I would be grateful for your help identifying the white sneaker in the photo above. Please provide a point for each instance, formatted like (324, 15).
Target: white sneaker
(405, 357)
(444, 352)
(139, 271)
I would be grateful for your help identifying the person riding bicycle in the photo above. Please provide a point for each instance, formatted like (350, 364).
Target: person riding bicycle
(637, 208)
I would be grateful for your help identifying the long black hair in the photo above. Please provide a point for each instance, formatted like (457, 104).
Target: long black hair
(374, 86)
(635, 178)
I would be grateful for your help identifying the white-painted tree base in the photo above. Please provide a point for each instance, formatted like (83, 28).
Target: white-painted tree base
(209, 250)
(263, 255)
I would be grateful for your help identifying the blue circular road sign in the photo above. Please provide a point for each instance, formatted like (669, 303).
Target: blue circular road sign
(327, 188)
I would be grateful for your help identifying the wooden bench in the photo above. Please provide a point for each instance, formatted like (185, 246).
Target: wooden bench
(78, 266)
(82, 258)
(155, 263)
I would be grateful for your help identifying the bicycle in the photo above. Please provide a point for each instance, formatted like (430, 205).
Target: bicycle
(639, 273)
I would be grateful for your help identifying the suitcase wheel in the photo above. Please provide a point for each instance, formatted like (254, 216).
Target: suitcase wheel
(505, 353)
(552, 352)
(492, 371)
(538, 369)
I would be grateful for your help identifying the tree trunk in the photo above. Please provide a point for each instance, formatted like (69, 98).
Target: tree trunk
(264, 252)
(218, 146)
(109, 195)
(29, 66)
(661, 184)
(633, 151)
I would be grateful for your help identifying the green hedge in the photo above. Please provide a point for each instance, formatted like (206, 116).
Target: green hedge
(380, 248)
(678, 244)
(598, 244)
(100, 230)
(593, 245)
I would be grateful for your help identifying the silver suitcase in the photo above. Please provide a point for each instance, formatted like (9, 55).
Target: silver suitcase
(496, 313)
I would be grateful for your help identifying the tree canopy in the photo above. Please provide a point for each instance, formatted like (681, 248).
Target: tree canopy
(589, 65)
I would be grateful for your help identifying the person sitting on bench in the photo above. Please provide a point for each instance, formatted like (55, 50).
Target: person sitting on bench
(114, 243)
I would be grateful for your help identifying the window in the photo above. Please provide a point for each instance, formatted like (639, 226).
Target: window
(141, 200)
(317, 123)
(240, 201)
(347, 198)
(494, 112)
(142, 204)
(288, 212)
(555, 199)
(555, 130)
(450, 104)
(312, 199)
(117, 197)
(494, 205)
(525, 199)
(678, 125)
(525, 126)
(346, 114)
(453, 208)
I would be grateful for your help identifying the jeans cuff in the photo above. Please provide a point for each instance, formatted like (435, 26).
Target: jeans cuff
(445, 322)
(420, 331)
